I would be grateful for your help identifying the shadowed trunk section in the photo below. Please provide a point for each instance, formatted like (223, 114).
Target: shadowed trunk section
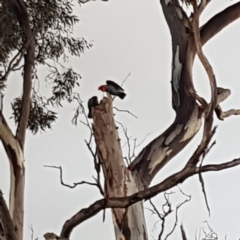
(6, 225)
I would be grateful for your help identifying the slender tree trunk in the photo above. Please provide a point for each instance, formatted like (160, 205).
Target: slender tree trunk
(14, 145)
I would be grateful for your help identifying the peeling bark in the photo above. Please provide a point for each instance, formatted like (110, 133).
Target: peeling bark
(17, 173)
(189, 114)
(14, 146)
(119, 182)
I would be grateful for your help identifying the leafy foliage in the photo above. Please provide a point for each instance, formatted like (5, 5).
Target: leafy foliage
(63, 85)
(40, 117)
(52, 24)
(9, 32)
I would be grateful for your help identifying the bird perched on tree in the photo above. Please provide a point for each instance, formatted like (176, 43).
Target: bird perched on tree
(113, 89)
(92, 102)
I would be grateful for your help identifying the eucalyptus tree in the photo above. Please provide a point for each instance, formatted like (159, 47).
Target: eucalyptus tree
(39, 33)
(33, 34)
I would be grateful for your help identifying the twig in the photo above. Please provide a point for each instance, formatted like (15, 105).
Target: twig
(211, 234)
(74, 184)
(125, 111)
(165, 213)
(128, 142)
(97, 167)
(97, 164)
(143, 140)
(125, 79)
(201, 177)
(32, 232)
(155, 209)
(131, 152)
(176, 215)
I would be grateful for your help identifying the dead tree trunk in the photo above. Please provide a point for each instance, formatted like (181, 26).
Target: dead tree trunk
(129, 223)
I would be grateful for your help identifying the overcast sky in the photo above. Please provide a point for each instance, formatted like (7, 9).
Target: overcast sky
(132, 37)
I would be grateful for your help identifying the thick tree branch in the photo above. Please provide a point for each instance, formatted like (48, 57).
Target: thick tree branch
(224, 114)
(76, 183)
(219, 21)
(125, 202)
(20, 10)
(158, 152)
(205, 63)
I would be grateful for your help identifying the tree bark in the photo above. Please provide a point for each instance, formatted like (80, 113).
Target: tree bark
(189, 113)
(7, 231)
(14, 146)
(129, 223)
(17, 173)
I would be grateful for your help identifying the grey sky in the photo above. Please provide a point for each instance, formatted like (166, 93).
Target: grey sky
(132, 36)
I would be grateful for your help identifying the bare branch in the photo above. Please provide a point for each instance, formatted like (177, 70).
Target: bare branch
(206, 65)
(130, 154)
(12, 64)
(201, 177)
(32, 232)
(126, 78)
(155, 210)
(97, 164)
(125, 111)
(124, 202)
(176, 213)
(184, 237)
(165, 213)
(74, 184)
(137, 145)
(221, 115)
(219, 21)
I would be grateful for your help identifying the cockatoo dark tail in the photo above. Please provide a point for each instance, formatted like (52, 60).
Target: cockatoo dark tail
(113, 88)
